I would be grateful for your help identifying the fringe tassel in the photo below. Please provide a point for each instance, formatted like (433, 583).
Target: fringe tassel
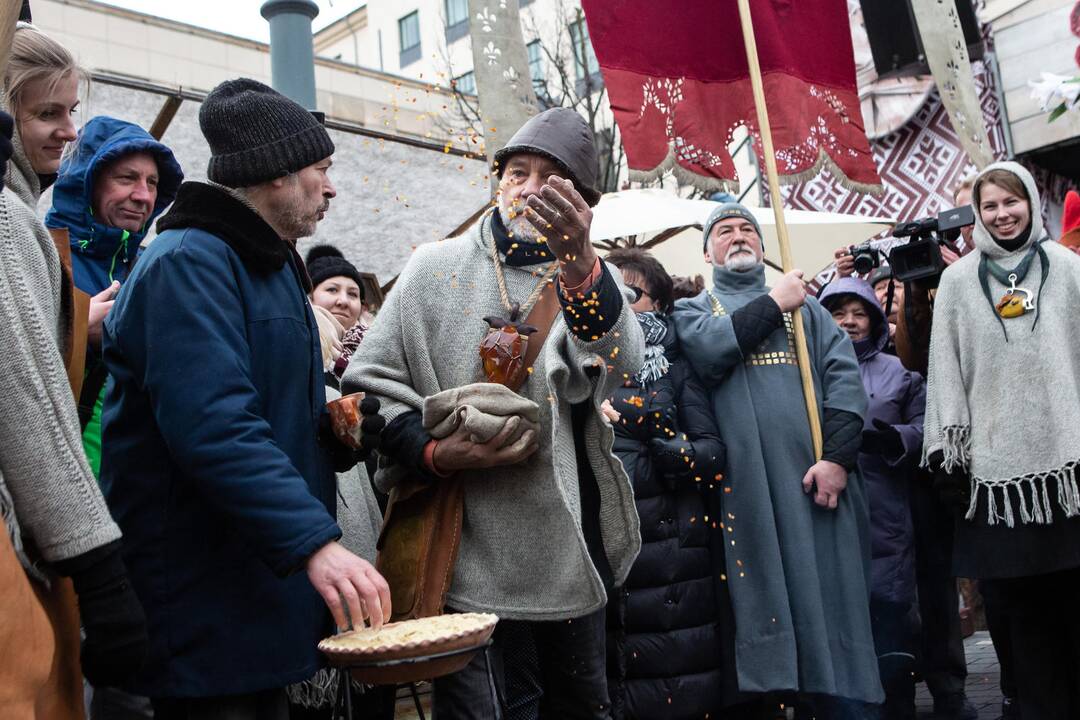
(956, 447)
(1048, 511)
(320, 690)
(1041, 511)
(970, 514)
(1010, 520)
(316, 692)
(1072, 492)
(1025, 516)
(712, 184)
(991, 507)
(1036, 503)
(824, 161)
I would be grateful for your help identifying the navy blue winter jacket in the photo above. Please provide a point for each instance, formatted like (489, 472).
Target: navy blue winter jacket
(211, 456)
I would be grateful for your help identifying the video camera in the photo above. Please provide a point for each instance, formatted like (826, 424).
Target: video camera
(919, 259)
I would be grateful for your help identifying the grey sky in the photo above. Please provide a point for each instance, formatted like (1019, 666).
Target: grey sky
(236, 17)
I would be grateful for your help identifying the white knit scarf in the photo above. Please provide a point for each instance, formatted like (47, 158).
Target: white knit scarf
(1006, 411)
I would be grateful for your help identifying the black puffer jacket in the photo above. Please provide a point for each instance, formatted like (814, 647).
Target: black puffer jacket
(664, 656)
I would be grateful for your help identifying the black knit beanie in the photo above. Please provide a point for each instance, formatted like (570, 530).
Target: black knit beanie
(256, 134)
(326, 261)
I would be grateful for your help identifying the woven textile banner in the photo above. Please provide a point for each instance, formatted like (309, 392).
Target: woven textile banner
(678, 83)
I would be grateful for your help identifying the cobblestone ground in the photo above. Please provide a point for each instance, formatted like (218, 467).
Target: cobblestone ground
(982, 683)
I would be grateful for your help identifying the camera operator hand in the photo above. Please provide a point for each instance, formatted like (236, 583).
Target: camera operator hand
(790, 293)
(845, 262)
(948, 256)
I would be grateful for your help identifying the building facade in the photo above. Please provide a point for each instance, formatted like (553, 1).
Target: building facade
(400, 181)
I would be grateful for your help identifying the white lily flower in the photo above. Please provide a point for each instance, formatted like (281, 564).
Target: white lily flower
(1054, 90)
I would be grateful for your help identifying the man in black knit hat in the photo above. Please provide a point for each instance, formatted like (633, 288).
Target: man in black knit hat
(220, 469)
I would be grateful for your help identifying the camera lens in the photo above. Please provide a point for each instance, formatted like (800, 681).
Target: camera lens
(864, 263)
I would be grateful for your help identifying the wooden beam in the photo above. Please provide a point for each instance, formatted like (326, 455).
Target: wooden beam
(165, 116)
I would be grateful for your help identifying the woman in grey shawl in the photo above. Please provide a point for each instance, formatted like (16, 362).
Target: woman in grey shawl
(1003, 406)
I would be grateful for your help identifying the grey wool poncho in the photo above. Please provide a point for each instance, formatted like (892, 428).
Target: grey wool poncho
(523, 555)
(798, 575)
(1003, 405)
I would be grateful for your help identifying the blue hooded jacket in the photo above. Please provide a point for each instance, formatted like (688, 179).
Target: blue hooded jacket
(101, 254)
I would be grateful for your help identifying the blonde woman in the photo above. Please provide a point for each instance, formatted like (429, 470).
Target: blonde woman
(56, 522)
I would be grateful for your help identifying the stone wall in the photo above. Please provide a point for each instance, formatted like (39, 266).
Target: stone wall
(391, 196)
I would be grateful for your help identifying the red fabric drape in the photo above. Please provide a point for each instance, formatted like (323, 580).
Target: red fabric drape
(678, 83)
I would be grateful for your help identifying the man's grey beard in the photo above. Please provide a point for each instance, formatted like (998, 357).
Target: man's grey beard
(514, 221)
(743, 261)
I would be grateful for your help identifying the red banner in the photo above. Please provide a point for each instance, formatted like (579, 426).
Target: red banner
(679, 86)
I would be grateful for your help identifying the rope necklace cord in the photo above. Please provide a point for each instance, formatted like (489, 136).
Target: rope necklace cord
(504, 294)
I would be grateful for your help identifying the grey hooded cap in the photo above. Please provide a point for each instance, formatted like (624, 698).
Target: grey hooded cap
(562, 135)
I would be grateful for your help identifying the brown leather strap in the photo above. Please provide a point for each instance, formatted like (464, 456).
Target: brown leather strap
(542, 317)
(75, 309)
(421, 533)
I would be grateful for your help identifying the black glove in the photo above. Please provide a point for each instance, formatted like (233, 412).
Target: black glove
(113, 620)
(953, 488)
(673, 456)
(7, 130)
(883, 440)
(343, 457)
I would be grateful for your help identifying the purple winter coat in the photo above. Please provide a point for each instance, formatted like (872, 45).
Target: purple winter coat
(896, 396)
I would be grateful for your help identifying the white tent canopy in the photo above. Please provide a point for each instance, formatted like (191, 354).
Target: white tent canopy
(814, 235)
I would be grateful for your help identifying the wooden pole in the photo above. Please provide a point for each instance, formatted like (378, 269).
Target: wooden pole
(9, 16)
(801, 353)
(165, 116)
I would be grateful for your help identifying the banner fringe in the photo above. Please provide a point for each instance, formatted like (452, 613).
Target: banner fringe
(705, 183)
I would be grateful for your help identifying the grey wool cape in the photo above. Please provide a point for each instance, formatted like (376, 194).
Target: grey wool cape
(522, 555)
(798, 575)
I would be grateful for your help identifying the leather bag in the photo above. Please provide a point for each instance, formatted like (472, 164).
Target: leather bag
(421, 533)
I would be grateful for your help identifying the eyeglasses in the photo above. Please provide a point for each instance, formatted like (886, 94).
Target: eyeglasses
(638, 292)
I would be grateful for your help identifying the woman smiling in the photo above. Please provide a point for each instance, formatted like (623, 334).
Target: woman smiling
(1003, 397)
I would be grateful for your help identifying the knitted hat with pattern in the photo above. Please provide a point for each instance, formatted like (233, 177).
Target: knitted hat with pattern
(256, 134)
(730, 210)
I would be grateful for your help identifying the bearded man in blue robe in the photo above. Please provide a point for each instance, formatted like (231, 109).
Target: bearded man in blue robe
(795, 557)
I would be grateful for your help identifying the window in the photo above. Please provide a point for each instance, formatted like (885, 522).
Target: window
(536, 65)
(587, 65)
(409, 37)
(466, 83)
(457, 19)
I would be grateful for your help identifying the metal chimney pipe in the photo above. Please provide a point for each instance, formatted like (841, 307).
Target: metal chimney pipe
(292, 51)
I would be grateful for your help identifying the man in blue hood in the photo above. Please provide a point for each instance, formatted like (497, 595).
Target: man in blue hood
(109, 190)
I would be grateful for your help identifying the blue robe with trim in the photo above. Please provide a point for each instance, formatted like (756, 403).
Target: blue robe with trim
(798, 575)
